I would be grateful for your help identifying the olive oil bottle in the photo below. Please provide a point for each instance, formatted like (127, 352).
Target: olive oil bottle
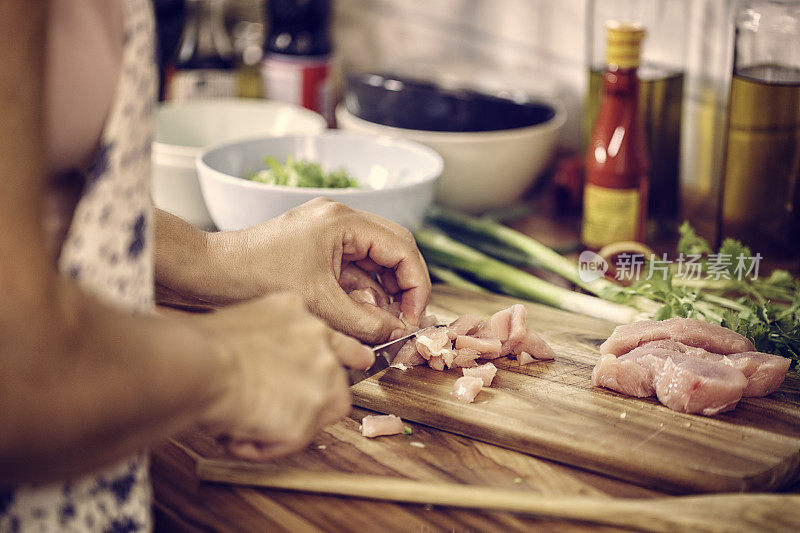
(759, 186)
(763, 153)
(660, 106)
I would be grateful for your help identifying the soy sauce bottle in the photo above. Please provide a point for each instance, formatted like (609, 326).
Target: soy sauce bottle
(297, 64)
(615, 193)
(204, 66)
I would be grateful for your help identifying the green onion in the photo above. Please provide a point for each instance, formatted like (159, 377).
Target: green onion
(440, 249)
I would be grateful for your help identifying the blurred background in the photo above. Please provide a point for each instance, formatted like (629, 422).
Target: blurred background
(520, 50)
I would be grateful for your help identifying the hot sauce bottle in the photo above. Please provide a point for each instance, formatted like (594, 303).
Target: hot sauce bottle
(615, 193)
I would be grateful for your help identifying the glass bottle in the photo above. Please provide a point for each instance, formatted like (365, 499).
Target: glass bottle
(759, 193)
(297, 65)
(204, 66)
(661, 75)
(615, 194)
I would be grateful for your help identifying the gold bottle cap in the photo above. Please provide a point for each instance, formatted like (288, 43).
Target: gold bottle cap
(624, 43)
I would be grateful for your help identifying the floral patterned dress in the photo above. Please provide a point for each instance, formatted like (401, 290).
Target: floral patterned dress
(109, 252)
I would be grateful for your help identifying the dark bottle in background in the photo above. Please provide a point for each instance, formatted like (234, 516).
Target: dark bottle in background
(297, 66)
(204, 66)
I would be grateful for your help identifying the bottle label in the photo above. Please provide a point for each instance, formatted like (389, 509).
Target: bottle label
(302, 81)
(201, 83)
(609, 215)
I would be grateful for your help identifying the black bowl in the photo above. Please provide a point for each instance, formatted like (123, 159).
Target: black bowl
(419, 105)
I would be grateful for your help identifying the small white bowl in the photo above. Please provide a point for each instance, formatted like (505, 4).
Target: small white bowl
(397, 178)
(183, 130)
(482, 169)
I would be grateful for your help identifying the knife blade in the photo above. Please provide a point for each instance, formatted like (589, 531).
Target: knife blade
(384, 355)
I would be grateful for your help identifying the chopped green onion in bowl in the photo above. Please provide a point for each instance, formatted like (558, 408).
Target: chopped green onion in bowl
(302, 173)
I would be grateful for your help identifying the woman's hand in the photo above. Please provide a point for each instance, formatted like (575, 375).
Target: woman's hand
(322, 250)
(286, 380)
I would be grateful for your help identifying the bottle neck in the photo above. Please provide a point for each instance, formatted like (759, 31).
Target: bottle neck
(621, 81)
(205, 42)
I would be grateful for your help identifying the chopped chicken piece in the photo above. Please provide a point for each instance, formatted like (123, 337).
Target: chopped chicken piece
(379, 425)
(486, 372)
(466, 388)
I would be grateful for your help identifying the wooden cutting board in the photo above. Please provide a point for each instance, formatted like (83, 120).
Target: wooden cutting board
(551, 410)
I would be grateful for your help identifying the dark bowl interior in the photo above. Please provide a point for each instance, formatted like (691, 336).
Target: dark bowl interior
(419, 105)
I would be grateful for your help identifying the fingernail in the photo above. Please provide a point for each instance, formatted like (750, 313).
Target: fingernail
(396, 334)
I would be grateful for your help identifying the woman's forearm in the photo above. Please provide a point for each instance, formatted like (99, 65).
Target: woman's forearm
(188, 273)
(83, 384)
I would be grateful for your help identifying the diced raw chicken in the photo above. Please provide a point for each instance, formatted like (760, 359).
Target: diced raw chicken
(692, 385)
(463, 325)
(517, 329)
(466, 388)
(534, 345)
(379, 425)
(408, 355)
(448, 356)
(427, 321)
(764, 372)
(469, 338)
(366, 296)
(482, 346)
(696, 333)
(465, 357)
(524, 358)
(496, 326)
(432, 341)
(486, 372)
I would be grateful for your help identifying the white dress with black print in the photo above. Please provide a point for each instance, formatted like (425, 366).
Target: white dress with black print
(109, 252)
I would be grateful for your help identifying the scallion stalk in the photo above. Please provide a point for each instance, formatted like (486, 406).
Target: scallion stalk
(441, 249)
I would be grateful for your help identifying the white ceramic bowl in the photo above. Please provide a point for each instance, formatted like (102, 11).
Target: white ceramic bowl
(483, 169)
(183, 130)
(397, 177)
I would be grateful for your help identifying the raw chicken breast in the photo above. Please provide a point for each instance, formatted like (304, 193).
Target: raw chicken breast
(682, 382)
(432, 341)
(436, 362)
(469, 338)
(764, 372)
(525, 358)
(466, 388)
(696, 333)
(485, 372)
(379, 425)
(534, 345)
(632, 374)
(691, 385)
(463, 325)
(517, 330)
(482, 346)
(497, 326)
(408, 355)
(465, 357)
(366, 296)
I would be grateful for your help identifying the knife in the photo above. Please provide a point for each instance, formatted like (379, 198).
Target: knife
(384, 355)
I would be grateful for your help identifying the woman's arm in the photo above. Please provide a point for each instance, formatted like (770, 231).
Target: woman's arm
(83, 384)
(319, 250)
